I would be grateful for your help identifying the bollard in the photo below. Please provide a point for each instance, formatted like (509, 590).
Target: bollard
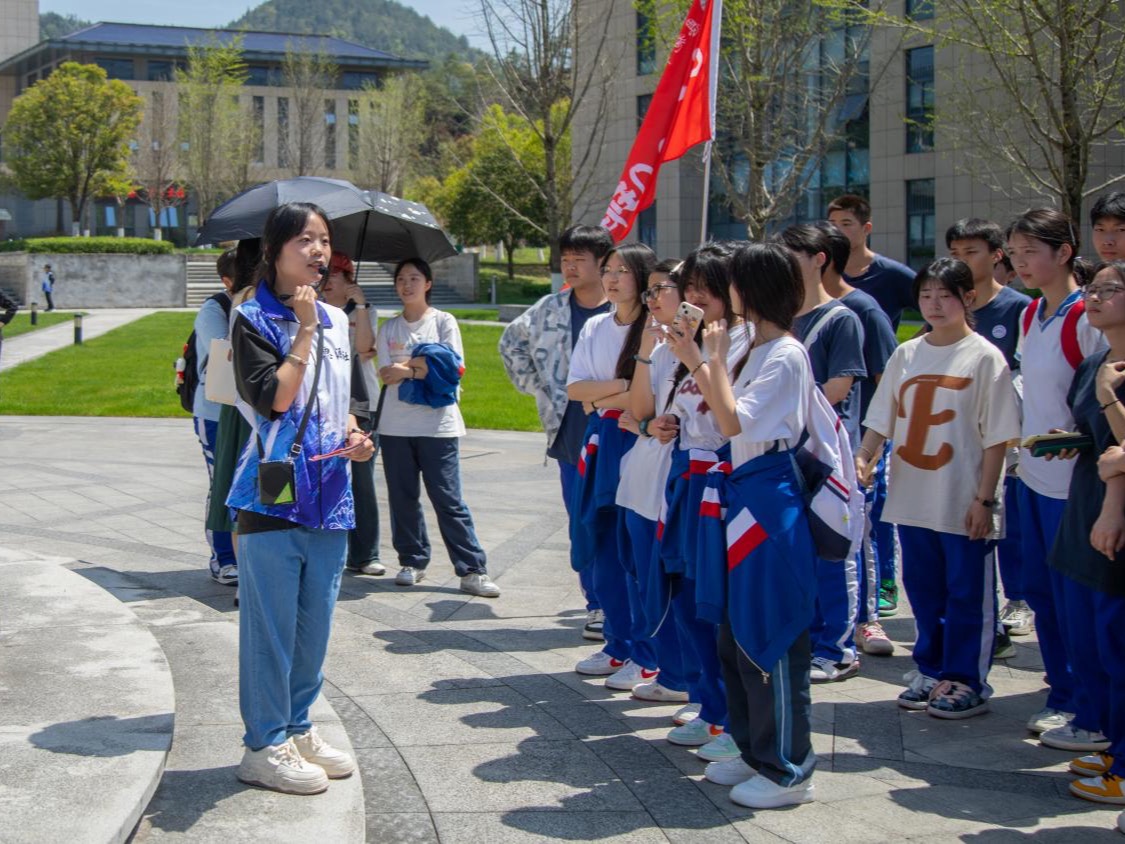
(492, 295)
(78, 329)
(34, 313)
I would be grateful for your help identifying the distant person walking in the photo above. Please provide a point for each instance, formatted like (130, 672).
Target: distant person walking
(48, 286)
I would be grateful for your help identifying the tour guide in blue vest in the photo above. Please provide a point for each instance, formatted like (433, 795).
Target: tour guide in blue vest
(292, 361)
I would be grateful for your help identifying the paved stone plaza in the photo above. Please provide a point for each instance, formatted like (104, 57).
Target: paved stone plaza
(465, 715)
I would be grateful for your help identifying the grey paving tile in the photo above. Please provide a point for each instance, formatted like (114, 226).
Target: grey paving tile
(517, 827)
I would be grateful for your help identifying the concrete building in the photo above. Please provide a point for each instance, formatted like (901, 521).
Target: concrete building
(146, 58)
(916, 180)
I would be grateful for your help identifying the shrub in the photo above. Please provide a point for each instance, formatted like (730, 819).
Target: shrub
(75, 245)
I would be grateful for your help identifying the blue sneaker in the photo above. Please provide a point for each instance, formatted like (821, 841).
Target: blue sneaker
(954, 700)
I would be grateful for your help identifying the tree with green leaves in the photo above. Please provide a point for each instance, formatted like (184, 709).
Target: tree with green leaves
(156, 161)
(216, 134)
(309, 74)
(1045, 83)
(488, 200)
(383, 153)
(68, 135)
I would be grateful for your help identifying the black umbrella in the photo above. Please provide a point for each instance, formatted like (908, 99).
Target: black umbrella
(390, 230)
(244, 216)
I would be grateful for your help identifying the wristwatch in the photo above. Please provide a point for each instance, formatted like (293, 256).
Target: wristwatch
(361, 307)
(642, 427)
(986, 502)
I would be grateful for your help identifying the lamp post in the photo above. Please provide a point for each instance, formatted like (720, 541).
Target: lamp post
(78, 329)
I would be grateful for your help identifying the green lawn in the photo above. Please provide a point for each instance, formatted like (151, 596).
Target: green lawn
(906, 330)
(485, 314)
(129, 372)
(21, 322)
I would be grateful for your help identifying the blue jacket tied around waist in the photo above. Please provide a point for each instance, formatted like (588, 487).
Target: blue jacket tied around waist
(444, 369)
(595, 492)
(757, 568)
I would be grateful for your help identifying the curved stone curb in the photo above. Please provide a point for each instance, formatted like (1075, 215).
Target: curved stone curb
(86, 708)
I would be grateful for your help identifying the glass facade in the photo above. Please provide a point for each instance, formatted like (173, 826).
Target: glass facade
(921, 231)
(353, 134)
(330, 134)
(282, 131)
(920, 99)
(646, 45)
(118, 68)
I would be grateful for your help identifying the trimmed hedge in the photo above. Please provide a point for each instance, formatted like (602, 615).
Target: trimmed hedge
(76, 245)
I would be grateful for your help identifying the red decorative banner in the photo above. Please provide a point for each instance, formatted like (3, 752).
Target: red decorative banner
(681, 115)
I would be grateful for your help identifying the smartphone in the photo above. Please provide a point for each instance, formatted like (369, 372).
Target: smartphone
(689, 316)
(1043, 444)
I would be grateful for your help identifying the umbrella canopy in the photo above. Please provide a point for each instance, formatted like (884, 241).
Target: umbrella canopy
(244, 216)
(390, 230)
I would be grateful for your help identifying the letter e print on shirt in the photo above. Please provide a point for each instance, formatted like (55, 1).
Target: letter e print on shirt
(923, 389)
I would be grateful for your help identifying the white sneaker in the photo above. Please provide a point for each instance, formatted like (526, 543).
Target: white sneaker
(280, 767)
(824, 670)
(1017, 617)
(1048, 719)
(478, 584)
(873, 639)
(685, 714)
(600, 664)
(652, 690)
(763, 793)
(1121, 822)
(408, 576)
(1071, 738)
(595, 621)
(629, 676)
(719, 749)
(729, 772)
(373, 567)
(695, 733)
(227, 576)
(313, 749)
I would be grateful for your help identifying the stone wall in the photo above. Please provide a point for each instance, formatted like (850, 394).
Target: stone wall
(14, 274)
(105, 280)
(460, 274)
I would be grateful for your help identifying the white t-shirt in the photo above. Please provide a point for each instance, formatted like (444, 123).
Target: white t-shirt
(644, 470)
(698, 428)
(394, 343)
(1046, 381)
(942, 406)
(771, 398)
(370, 378)
(594, 357)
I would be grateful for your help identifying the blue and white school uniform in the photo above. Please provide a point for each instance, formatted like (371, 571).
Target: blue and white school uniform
(640, 496)
(757, 577)
(699, 446)
(943, 406)
(1044, 484)
(595, 516)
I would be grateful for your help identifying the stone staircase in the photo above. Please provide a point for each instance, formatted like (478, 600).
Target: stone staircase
(375, 279)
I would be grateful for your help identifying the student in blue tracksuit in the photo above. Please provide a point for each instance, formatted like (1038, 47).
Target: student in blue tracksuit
(700, 445)
(947, 401)
(1088, 554)
(769, 559)
(601, 367)
(640, 495)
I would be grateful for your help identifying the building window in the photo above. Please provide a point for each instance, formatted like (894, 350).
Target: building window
(282, 131)
(643, 102)
(160, 71)
(919, 99)
(357, 80)
(646, 226)
(920, 222)
(117, 68)
(330, 134)
(259, 108)
(646, 45)
(919, 10)
(353, 134)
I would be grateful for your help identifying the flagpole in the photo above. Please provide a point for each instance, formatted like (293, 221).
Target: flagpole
(706, 192)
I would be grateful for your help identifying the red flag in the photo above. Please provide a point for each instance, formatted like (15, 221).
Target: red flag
(681, 115)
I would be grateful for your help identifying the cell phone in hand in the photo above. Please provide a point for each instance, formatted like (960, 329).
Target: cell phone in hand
(688, 317)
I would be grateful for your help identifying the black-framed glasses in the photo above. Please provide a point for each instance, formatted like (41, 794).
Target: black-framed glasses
(654, 291)
(1102, 292)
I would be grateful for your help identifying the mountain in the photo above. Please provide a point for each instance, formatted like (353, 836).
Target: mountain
(54, 25)
(381, 24)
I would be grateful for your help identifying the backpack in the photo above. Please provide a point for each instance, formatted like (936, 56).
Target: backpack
(187, 367)
(1068, 339)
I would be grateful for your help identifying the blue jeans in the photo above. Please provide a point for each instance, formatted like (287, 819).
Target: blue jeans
(288, 582)
(363, 539)
(568, 472)
(219, 541)
(437, 461)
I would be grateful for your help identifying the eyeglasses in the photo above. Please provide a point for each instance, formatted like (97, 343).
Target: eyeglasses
(653, 292)
(616, 273)
(1102, 292)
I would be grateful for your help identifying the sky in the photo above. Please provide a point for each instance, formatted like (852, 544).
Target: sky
(455, 15)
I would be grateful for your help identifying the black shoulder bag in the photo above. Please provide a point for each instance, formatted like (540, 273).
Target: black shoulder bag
(277, 479)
